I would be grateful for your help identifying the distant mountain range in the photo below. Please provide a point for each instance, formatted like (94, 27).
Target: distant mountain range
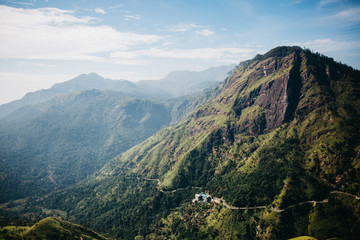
(182, 83)
(276, 145)
(176, 84)
(56, 137)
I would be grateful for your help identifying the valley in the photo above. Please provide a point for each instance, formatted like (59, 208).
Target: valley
(276, 144)
(72, 129)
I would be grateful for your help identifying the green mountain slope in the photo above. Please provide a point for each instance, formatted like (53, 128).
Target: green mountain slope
(273, 108)
(279, 142)
(55, 144)
(49, 229)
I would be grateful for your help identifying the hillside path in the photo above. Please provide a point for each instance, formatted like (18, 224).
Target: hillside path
(344, 193)
(223, 202)
(278, 210)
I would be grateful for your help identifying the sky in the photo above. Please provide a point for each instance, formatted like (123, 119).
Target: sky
(43, 42)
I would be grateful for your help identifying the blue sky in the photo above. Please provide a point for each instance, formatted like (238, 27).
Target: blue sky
(47, 41)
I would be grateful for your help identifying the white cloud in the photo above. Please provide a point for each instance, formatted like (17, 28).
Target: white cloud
(129, 17)
(117, 6)
(351, 14)
(329, 45)
(13, 17)
(36, 64)
(205, 32)
(326, 2)
(199, 29)
(22, 3)
(185, 27)
(52, 33)
(129, 62)
(100, 10)
(229, 54)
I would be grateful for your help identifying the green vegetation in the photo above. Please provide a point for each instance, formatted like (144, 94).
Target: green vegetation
(49, 228)
(303, 238)
(57, 143)
(284, 139)
(201, 221)
(68, 138)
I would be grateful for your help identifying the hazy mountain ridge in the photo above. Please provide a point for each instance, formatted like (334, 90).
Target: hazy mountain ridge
(282, 130)
(81, 83)
(176, 84)
(182, 83)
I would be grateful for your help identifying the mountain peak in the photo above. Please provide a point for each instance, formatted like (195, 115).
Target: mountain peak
(280, 51)
(84, 77)
(93, 74)
(277, 83)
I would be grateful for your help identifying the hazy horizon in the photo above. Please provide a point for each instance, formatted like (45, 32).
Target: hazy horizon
(43, 42)
(52, 83)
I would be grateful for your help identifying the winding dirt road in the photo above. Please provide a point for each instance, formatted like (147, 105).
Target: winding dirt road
(278, 210)
(223, 202)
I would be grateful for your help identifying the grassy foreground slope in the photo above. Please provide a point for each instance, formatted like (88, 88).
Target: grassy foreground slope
(49, 228)
(282, 130)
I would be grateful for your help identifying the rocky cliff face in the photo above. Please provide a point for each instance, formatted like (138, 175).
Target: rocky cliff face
(277, 85)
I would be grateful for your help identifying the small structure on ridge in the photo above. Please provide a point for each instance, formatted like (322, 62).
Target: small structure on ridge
(202, 197)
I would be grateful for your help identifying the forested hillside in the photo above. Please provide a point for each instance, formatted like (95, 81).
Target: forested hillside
(55, 144)
(53, 138)
(279, 142)
(49, 228)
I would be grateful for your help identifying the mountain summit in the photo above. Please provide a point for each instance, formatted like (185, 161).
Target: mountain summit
(277, 148)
